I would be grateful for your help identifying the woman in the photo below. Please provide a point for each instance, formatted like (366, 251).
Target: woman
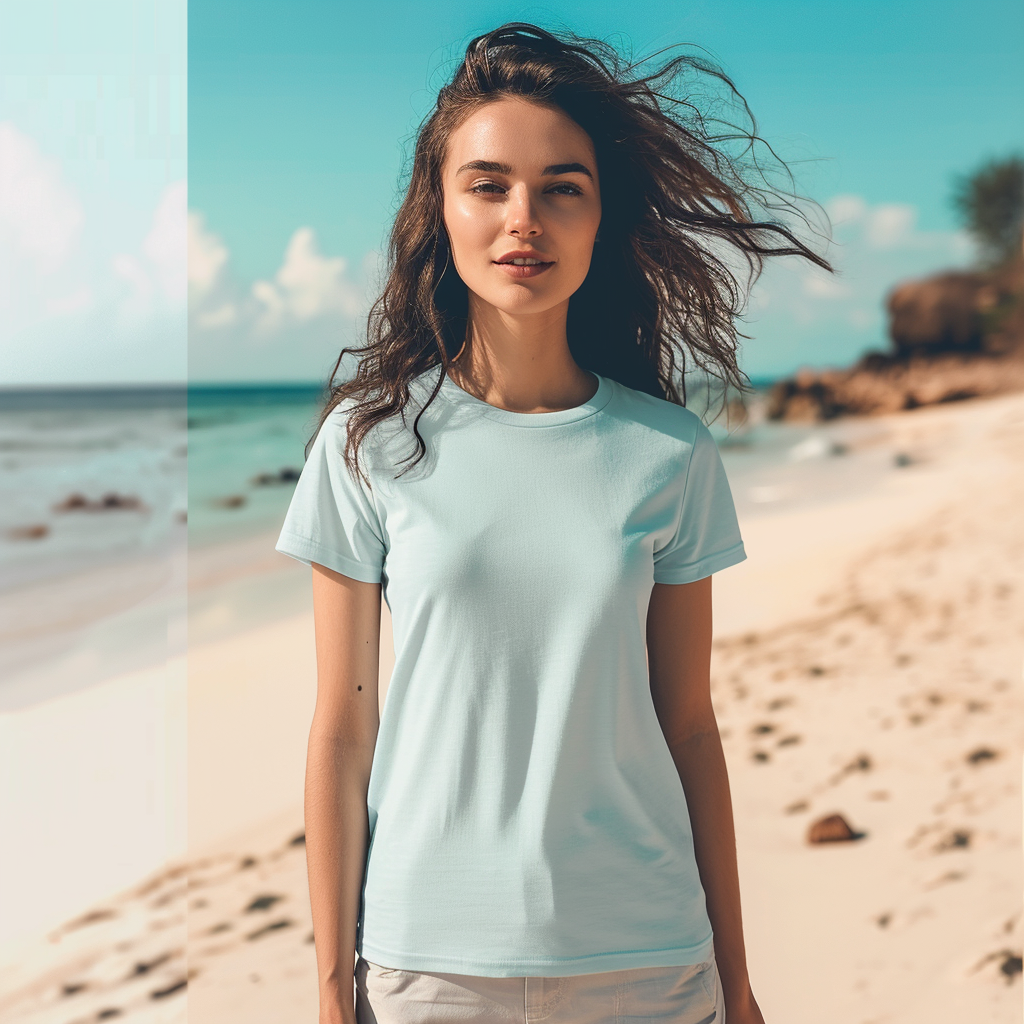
(538, 824)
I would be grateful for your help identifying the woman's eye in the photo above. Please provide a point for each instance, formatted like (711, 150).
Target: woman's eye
(486, 185)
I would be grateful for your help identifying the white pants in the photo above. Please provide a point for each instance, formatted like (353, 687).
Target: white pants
(680, 995)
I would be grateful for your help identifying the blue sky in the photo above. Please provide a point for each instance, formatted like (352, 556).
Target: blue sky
(301, 118)
(93, 197)
(299, 112)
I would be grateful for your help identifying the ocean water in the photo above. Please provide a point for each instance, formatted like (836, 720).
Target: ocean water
(245, 446)
(225, 458)
(87, 477)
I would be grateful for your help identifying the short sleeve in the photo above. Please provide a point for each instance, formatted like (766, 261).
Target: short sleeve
(332, 519)
(707, 534)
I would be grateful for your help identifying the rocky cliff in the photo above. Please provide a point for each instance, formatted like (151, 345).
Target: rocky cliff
(956, 335)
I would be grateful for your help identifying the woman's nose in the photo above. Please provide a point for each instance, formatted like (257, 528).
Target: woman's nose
(521, 217)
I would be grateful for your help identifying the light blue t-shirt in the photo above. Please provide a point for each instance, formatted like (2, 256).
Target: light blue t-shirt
(526, 815)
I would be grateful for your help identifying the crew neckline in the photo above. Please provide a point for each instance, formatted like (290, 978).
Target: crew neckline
(594, 404)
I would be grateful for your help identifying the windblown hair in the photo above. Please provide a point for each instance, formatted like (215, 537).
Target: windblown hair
(680, 201)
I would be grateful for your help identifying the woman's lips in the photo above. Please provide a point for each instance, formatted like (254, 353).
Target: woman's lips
(513, 271)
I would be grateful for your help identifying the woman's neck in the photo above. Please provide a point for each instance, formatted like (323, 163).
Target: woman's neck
(548, 381)
(521, 363)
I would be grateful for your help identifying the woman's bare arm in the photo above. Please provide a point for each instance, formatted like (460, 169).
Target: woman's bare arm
(679, 659)
(341, 744)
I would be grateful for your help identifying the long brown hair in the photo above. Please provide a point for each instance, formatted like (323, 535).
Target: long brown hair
(682, 192)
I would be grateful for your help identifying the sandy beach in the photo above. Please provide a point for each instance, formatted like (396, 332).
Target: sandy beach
(868, 662)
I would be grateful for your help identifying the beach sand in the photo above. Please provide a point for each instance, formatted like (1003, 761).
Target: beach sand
(868, 662)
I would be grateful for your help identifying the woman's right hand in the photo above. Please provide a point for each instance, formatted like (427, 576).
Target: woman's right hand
(337, 1014)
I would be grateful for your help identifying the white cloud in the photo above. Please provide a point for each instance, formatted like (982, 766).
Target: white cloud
(272, 314)
(40, 217)
(221, 316)
(821, 285)
(876, 246)
(166, 244)
(207, 256)
(289, 325)
(157, 273)
(845, 209)
(307, 285)
(890, 225)
(886, 226)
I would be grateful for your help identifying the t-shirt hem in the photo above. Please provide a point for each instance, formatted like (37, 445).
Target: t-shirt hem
(305, 550)
(705, 567)
(543, 967)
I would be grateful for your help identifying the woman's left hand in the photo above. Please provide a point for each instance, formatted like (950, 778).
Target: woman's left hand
(742, 1008)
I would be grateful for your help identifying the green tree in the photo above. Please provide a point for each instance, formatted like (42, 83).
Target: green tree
(991, 203)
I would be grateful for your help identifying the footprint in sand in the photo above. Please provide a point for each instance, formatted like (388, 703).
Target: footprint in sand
(958, 839)
(981, 755)
(170, 990)
(922, 831)
(1010, 963)
(145, 966)
(949, 876)
(93, 917)
(272, 927)
(263, 902)
(861, 763)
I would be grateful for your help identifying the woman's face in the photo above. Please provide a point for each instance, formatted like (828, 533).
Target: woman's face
(520, 176)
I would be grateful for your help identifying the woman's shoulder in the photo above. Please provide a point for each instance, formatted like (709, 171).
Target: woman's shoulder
(385, 442)
(658, 414)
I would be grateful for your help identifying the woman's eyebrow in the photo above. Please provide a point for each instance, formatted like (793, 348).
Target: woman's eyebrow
(499, 168)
